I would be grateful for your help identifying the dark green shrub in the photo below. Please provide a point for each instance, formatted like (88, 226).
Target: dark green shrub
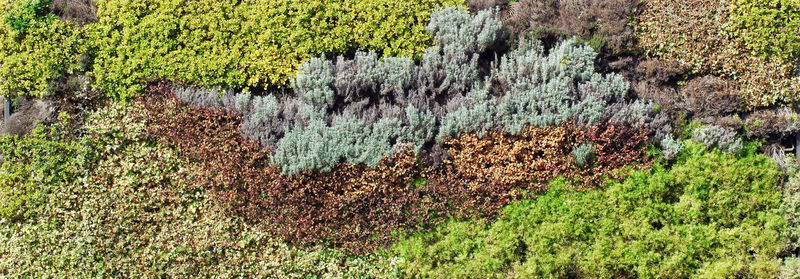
(711, 215)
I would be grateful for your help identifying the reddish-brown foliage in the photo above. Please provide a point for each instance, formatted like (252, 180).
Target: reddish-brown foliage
(615, 146)
(352, 206)
(359, 208)
(508, 164)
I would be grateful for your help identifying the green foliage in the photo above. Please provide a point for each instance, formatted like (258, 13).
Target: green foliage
(133, 212)
(33, 168)
(27, 13)
(769, 27)
(245, 43)
(712, 215)
(36, 49)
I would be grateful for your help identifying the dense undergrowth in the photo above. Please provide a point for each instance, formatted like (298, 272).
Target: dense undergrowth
(400, 139)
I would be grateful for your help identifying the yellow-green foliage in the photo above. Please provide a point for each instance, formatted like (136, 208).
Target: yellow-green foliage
(32, 168)
(768, 27)
(126, 209)
(752, 42)
(35, 50)
(712, 215)
(245, 43)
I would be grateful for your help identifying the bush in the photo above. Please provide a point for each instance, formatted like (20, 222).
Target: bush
(711, 215)
(78, 11)
(719, 137)
(604, 24)
(360, 110)
(709, 40)
(29, 114)
(543, 90)
(34, 168)
(770, 28)
(343, 110)
(509, 165)
(36, 49)
(670, 148)
(353, 206)
(131, 209)
(778, 122)
(244, 44)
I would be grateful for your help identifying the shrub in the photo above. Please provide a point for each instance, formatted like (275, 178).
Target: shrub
(550, 89)
(716, 136)
(770, 28)
(604, 23)
(780, 122)
(131, 209)
(361, 109)
(711, 215)
(79, 11)
(670, 148)
(790, 207)
(28, 115)
(709, 40)
(244, 44)
(353, 206)
(710, 96)
(508, 164)
(583, 154)
(790, 268)
(33, 168)
(36, 49)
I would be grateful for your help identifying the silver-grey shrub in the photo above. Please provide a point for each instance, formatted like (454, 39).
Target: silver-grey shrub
(541, 89)
(724, 139)
(362, 109)
(583, 154)
(670, 147)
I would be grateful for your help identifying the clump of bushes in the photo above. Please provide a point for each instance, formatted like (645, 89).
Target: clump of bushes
(602, 24)
(359, 207)
(117, 204)
(358, 110)
(245, 44)
(769, 28)
(33, 168)
(36, 48)
(712, 214)
(719, 137)
(352, 206)
(719, 38)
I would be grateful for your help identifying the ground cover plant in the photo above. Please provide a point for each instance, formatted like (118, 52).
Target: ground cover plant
(399, 139)
(710, 215)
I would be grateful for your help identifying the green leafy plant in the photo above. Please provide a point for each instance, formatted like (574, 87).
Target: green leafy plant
(34, 167)
(36, 49)
(711, 215)
(244, 43)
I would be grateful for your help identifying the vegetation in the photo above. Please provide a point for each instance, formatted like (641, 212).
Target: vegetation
(710, 215)
(400, 139)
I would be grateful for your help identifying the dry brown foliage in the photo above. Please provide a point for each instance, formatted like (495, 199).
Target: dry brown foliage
(79, 11)
(606, 19)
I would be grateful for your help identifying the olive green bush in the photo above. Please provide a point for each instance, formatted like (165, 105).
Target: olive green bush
(752, 43)
(132, 212)
(253, 43)
(36, 49)
(711, 215)
(771, 28)
(33, 168)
